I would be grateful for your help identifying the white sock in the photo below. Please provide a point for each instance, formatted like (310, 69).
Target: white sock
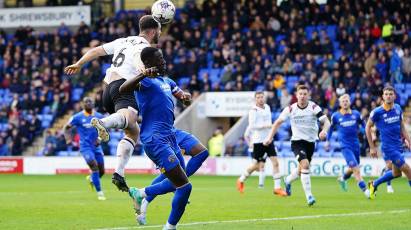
(244, 176)
(306, 182)
(170, 226)
(115, 120)
(100, 193)
(143, 208)
(143, 192)
(125, 149)
(261, 177)
(292, 177)
(277, 181)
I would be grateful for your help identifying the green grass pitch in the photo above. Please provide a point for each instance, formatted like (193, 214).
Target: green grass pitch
(66, 202)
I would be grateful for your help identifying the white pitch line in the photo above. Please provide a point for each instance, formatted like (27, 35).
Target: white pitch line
(266, 219)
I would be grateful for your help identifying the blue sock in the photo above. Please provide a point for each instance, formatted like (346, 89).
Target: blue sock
(195, 162)
(163, 187)
(384, 178)
(179, 203)
(389, 182)
(347, 176)
(95, 178)
(409, 182)
(362, 185)
(156, 180)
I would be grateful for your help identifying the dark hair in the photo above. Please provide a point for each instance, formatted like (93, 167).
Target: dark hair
(148, 22)
(302, 87)
(388, 88)
(148, 53)
(258, 92)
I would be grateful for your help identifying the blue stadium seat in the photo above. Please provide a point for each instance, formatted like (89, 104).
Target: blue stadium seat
(76, 94)
(62, 153)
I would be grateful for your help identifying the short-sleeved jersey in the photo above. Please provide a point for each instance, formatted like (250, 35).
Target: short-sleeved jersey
(155, 99)
(347, 125)
(259, 117)
(126, 60)
(88, 134)
(304, 121)
(388, 122)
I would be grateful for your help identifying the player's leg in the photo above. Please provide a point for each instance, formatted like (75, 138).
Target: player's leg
(398, 161)
(354, 166)
(199, 153)
(240, 181)
(94, 177)
(349, 157)
(388, 167)
(304, 157)
(272, 154)
(176, 178)
(261, 174)
(407, 171)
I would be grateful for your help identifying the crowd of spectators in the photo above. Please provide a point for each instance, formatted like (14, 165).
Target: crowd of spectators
(340, 47)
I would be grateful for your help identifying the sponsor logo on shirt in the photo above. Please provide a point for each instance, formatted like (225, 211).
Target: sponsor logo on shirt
(392, 119)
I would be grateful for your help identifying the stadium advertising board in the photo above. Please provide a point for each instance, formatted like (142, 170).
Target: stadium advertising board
(44, 16)
(11, 165)
(212, 166)
(232, 104)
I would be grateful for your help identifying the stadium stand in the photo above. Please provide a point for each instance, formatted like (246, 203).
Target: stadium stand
(339, 47)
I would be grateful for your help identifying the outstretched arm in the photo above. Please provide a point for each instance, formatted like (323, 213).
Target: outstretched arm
(368, 132)
(133, 83)
(88, 56)
(273, 131)
(326, 126)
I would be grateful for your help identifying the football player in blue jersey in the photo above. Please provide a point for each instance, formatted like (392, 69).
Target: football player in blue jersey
(154, 96)
(190, 146)
(90, 147)
(348, 124)
(388, 120)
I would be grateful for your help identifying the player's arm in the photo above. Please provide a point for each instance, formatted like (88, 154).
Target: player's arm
(369, 133)
(247, 135)
(88, 56)
(405, 135)
(133, 83)
(67, 131)
(332, 126)
(277, 123)
(184, 97)
(324, 121)
(178, 93)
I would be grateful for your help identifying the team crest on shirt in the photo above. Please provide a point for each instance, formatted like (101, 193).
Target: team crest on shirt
(397, 112)
(352, 116)
(172, 158)
(385, 115)
(340, 119)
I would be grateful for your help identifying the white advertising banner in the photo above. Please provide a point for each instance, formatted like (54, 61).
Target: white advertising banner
(44, 16)
(228, 104)
(223, 166)
(319, 166)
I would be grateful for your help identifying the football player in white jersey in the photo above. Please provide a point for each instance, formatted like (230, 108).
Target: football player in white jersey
(259, 124)
(126, 64)
(303, 116)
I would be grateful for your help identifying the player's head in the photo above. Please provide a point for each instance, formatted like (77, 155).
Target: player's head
(302, 94)
(388, 95)
(150, 27)
(153, 57)
(88, 104)
(259, 98)
(345, 102)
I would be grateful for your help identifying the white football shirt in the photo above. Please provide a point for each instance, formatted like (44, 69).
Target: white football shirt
(126, 60)
(304, 121)
(259, 123)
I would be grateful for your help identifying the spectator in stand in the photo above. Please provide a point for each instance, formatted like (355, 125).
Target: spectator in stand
(240, 148)
(216, 143)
